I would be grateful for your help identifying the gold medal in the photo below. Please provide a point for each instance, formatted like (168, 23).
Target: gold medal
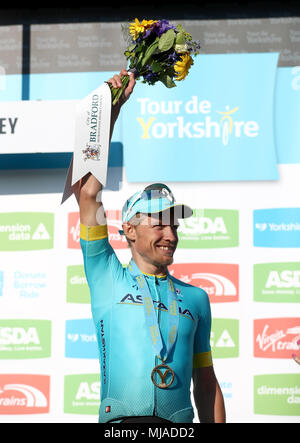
(164, 373)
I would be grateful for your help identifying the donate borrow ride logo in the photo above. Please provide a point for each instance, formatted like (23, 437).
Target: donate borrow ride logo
(24, 394)
(277, 228)
(82, 394)
(210, 228)
(26, 231)
(277, 282)
(25, 339)
(277, 394)
(219, 281)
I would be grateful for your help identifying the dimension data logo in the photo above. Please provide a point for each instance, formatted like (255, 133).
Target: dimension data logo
(25, 339)
(219, 281)
(82, 394)
(81, 339)
(210, 228)
(77, 286)
(225, 338)
(276, 337)
(277, 228)
(277, 394)
(24, 394)
(277, 282)
(26, 231)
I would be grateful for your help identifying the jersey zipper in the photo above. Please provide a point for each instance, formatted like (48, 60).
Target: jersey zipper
(156, 358)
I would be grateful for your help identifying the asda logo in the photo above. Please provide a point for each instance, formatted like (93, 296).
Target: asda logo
(277, 394)
(277, 282)
(82, 394)
(225, 338)
(209, 228)
(25, 339)
(77, 286)
(219, 281)
(26, 231)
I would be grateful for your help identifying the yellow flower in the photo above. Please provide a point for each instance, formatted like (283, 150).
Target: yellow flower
(136, 28)
(182, 67)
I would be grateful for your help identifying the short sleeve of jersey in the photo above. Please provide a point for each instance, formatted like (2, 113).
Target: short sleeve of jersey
(100, 262)
(202, 349)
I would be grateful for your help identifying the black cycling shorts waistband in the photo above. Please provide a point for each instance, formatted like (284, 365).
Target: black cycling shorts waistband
(140, 419)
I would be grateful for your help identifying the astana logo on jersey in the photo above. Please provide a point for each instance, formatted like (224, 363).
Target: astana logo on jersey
(137, 300)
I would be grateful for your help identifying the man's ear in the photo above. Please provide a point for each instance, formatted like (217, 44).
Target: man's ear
(129, 231)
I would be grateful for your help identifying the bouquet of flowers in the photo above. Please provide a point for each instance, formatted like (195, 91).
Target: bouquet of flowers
(157, 51)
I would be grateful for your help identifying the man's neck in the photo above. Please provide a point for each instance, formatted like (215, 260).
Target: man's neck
(149, 268)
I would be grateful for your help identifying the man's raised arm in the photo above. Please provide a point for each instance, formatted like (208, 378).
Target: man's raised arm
(88, 189)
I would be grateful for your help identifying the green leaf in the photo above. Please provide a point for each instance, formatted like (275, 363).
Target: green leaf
(150, 50)
(131, 47)
(156, 67)
(167, 81)
(180, 38)
(166, 41)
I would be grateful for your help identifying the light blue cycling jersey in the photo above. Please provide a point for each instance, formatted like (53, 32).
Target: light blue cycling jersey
(125, 349)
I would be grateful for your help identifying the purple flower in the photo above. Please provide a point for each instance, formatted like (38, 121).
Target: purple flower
(162, 26)
(173, 58)
(150, 76)
(147, 33)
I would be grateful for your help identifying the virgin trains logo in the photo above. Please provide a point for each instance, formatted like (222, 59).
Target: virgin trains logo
(219, 281)
(24, 394)
(114, 224)
(276, 337)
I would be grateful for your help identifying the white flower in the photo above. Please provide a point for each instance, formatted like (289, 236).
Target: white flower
(180, 49)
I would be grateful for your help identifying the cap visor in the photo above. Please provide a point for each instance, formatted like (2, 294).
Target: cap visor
(177, 210)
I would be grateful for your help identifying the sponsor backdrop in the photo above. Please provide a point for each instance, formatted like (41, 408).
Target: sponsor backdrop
(226, 141)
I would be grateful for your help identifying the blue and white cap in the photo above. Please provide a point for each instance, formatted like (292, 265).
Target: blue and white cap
(153, 199)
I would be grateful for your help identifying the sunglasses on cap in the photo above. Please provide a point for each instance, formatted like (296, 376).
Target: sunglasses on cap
(151, 192)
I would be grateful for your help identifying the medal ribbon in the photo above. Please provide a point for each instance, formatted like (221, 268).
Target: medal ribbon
(150, 315)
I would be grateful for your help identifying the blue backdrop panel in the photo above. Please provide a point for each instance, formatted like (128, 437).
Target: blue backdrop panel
(216, 125)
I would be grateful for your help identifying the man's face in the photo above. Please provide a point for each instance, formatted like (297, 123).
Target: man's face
(156, 239)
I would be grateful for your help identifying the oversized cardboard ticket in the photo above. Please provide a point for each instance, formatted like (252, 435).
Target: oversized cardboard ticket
(92, 138)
